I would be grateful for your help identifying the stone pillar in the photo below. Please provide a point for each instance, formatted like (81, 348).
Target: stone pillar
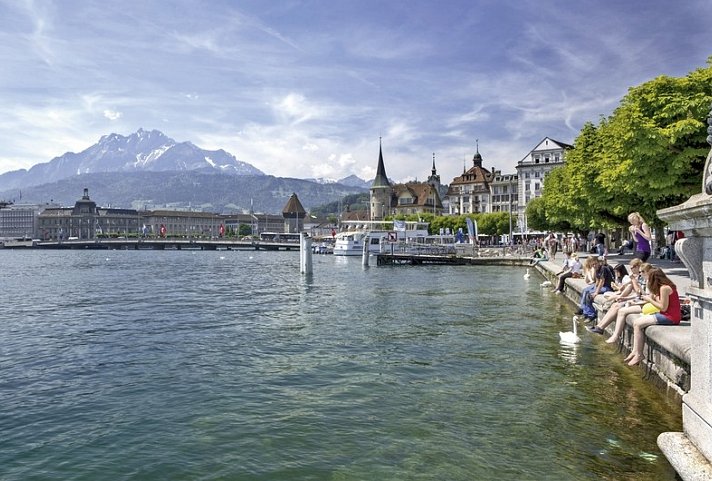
(690, 452)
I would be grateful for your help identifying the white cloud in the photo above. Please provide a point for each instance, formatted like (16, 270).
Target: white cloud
(306, 90)
(295, 108)
(112, 114)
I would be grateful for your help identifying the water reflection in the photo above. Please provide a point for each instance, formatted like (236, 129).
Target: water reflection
(245, 369)
(568, 352)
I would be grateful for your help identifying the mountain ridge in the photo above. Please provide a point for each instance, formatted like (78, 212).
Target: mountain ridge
(181, 190)
(148, 169)
(142, 151)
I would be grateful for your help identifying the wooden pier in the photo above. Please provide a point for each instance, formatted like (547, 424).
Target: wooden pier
(157, 244)
(450, 260)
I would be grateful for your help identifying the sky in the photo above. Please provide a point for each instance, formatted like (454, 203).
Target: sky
(306, 88)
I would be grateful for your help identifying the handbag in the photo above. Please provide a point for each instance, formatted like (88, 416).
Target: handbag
(649, 308)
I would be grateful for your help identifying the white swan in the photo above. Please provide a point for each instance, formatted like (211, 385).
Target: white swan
(526, 276)
(570, 337)
(545, 284)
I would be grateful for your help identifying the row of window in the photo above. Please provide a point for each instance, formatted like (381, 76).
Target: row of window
(546, 158)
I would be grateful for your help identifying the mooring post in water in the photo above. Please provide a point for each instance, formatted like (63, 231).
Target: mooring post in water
(305, 253)
(364, 255)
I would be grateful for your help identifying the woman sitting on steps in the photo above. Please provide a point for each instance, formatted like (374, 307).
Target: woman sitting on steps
(623, 302)
(663, 295)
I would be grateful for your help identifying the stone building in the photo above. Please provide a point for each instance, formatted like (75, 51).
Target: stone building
(381, 191)
(480, 190)
(470, 192)
(86, 221)
(403, 199)
(19, 221)
(293, 214)
(181, 223)
(532, 170)
(504, 196)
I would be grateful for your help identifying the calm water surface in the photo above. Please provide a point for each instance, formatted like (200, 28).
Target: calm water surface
(185, 365)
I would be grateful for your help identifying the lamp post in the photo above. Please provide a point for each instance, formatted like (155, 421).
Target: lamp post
(511, 240)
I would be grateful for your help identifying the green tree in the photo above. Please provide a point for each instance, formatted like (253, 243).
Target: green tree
(649, 154)
(536, 216)
(245, 229)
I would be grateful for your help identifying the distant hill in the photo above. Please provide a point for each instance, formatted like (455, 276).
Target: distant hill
(355, 181)
(351, 180)
(143, 151)
(181, 190)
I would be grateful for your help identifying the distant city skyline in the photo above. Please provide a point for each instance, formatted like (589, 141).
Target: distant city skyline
(306, 88)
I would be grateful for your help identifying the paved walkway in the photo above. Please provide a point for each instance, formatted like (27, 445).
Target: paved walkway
(675, 270)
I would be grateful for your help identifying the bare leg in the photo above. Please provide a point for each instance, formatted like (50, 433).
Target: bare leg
(610, 315)
(639, 326)
(620, 322)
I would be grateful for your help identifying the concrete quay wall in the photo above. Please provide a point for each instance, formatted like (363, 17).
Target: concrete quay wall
(667, 348)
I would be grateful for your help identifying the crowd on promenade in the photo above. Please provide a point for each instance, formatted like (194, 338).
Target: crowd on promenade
(638, 241)
(638, 288)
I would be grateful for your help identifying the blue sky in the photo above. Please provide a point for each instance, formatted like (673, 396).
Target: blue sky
(306, 88)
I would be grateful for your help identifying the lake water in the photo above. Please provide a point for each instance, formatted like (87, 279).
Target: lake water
(190, 365)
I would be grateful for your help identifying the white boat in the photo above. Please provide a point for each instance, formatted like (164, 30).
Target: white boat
(382, 236)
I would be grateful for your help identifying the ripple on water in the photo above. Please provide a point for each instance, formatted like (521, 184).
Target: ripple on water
(199, 365)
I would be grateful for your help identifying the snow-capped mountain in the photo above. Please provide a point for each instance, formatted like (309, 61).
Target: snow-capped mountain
(354, 181)
(140, 151)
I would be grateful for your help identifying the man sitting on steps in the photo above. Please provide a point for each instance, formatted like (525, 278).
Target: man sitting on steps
(604, 278)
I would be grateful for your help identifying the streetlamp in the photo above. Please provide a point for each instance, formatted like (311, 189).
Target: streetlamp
(511, 241)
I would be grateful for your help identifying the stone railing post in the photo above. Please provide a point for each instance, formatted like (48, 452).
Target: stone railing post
(690, 452)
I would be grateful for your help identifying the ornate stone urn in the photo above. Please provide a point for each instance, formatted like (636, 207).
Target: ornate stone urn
(690, 452)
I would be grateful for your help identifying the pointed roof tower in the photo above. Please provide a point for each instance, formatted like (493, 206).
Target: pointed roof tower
(477, 158)
(434, 178)
(381, 179)
(293, 208)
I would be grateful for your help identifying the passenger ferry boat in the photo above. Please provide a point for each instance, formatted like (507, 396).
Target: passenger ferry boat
(382, 235)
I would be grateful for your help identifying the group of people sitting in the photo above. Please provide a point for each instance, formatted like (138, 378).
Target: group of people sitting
(644, 290)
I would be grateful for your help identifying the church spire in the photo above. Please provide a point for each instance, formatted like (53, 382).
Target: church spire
(434, 178)
(381, 179)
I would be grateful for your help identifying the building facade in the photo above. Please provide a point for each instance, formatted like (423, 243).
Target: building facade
(86, 221)
(505, 193)
(479, 190)
(19, 221)
(470, 192)
(403, 199)
(532, 171)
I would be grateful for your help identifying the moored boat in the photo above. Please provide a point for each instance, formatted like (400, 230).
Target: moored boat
(382, 235)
